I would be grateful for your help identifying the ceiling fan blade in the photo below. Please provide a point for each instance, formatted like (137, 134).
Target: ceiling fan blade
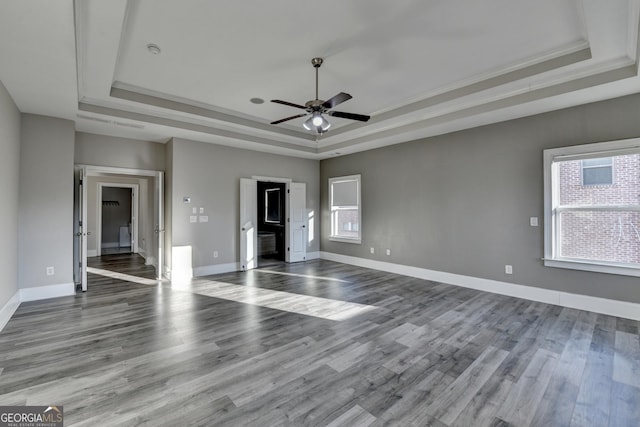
(288, 118)
(338, 99)
(350, 116)
(290, 104)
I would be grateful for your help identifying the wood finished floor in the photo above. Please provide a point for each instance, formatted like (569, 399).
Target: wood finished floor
(429, 354)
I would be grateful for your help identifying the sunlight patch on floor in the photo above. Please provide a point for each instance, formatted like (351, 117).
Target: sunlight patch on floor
(307, 276)
(285, 301)
(122, 276)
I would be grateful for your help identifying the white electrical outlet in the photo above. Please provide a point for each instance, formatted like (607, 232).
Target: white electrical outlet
(193, 218)
(508, 269)
(215, 254)
(51, 271)
(372, 250)
(388, 251)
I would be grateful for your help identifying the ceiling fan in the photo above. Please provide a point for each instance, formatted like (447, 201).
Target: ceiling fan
(317, 107)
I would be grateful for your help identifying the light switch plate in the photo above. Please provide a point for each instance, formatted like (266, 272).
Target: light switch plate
(201, 210)
(204, 218)
(533, 221)
(508, 269)
(193, 218)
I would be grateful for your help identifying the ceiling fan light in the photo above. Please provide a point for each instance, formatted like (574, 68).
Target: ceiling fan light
(317, 123)
(325, 125)
(308, 124)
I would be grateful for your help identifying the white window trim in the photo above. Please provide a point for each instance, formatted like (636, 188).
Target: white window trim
(579, 152)
(356, 240)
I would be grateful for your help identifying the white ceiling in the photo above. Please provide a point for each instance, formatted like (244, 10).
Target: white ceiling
(419, 68)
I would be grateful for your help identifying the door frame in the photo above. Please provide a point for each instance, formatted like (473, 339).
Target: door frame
(287, 232)
(135, 188)
(158, 211)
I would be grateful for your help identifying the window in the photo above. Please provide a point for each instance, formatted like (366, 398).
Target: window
(597, 171)
(344, 201)
(591, 222)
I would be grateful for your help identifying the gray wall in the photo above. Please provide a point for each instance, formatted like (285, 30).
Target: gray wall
(210, 175)
(100, 150)
(9, 175)
(461, 202)
(46, 201)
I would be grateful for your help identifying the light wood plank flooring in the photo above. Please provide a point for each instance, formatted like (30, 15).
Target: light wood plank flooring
(216, 352)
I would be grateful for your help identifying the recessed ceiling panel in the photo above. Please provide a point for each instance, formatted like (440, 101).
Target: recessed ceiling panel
(383, 53)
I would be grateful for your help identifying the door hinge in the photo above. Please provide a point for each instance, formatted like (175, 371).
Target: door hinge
(288, 250)
(288, 191)
(80, 182)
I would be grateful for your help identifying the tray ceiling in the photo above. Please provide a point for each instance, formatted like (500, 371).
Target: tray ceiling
(418, 68)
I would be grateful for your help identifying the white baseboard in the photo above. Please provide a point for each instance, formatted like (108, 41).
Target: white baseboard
(92, 253)
(148, 259)
(44, 292)
(312, 255)
(607, 306)
(216, 269)
(9, 308)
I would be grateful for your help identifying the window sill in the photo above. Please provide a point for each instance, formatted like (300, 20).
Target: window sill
(594, 267)
(345, 240)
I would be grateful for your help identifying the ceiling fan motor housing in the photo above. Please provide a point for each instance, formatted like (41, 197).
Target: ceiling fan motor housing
(315, 105)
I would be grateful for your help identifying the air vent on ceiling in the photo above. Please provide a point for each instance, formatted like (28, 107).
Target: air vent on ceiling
(95, 119)
(129, 125)
(111, 122)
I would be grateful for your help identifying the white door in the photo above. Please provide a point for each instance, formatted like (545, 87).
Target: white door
(297, 234)
(81, 227)
(248, 223)
(158, 213)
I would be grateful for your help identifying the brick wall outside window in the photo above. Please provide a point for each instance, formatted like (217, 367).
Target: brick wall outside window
(597, 235)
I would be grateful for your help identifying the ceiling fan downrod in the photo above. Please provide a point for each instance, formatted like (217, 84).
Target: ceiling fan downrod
(316, 62)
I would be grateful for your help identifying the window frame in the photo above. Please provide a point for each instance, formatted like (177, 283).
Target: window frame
(336, 238)
(552, 208)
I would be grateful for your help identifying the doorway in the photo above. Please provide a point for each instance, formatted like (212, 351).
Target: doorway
(294, 217)
(149, 242)
(271, 222)
(117, 225)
